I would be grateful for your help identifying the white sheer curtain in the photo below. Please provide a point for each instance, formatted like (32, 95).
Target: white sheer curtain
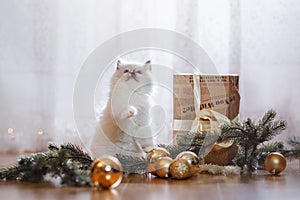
(44, 43)
(270, 61)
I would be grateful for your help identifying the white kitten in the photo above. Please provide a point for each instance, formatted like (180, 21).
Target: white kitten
(126, 121)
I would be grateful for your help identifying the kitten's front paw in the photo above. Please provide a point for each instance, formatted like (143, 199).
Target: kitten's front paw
(131, 111)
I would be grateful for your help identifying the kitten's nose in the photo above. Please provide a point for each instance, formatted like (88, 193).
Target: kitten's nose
(131, 73)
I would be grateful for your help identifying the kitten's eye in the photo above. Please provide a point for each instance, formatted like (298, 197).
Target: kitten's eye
(126, 71)
(139, 72)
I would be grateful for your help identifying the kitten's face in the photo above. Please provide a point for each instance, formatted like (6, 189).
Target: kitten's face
(132, 74)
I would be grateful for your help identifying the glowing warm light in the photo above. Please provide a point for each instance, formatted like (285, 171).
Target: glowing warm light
(40, 132)
(10, 130)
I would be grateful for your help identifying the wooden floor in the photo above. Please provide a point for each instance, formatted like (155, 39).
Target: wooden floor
(204, 186)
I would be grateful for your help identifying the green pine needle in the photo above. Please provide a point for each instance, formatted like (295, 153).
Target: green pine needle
(249, 135)
(68, 163)
(295, 150)
(132, 164)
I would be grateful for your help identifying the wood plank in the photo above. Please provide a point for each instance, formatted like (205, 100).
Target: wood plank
(204, 186)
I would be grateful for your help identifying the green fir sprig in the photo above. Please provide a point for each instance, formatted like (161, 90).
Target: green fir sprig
(196, 142)
(132, 164)
(68, 163)
(294, 152)
(189, 141)
(249, 135)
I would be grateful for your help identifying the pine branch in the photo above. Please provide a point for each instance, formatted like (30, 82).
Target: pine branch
(295, 151)
(249, 125)
(53, 147)
(233, 130)
(271, 147)
(132, 164)
(267, 118)
(294, 142)
(270, 130)
(249, 135)
(58, 162)
(191, 141)
(186, 139)
(77, 154)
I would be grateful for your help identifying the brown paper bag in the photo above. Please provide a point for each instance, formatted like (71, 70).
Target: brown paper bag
(217, 92)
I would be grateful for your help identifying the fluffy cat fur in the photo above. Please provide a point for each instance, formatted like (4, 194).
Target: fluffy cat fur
(125, 122)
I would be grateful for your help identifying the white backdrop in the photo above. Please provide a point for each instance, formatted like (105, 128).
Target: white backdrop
(44, 43)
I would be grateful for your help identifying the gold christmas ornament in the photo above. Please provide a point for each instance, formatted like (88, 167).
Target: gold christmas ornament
(275, 163)
(106, 172)
(151, 168)
(156, 153)
(180, 169)
(162, 167)
(192, 159)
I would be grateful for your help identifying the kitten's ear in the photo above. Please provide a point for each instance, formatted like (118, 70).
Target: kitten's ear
(118, 64)
(148, 65)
